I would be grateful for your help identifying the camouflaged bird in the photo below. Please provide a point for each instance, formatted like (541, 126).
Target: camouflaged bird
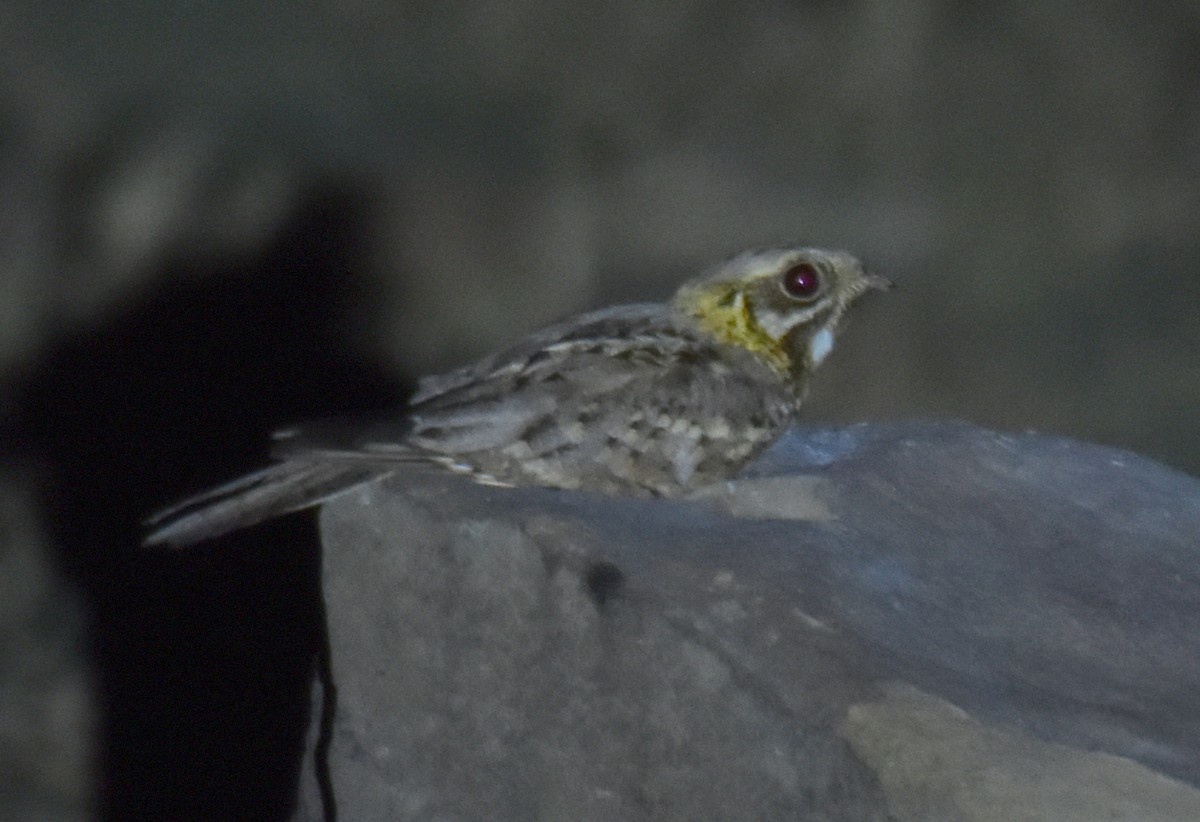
(650, 400)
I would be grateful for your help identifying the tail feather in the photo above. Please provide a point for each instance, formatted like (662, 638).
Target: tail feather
(278, 489)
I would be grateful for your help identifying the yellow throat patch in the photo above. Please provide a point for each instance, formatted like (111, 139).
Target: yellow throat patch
(722, 310)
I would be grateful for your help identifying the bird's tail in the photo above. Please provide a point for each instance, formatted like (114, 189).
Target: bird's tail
(286, 486)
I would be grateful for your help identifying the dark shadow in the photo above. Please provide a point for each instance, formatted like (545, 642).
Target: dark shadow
(203, 657)
(603, 581)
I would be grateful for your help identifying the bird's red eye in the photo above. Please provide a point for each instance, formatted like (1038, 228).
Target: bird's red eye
(802, 281)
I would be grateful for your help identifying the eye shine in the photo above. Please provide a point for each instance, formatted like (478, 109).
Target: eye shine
(802, 281)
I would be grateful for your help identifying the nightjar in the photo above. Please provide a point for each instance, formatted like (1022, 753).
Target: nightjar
(651, 399)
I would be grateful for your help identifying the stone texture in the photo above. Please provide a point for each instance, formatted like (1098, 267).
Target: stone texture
(937, 763)
(937, 622)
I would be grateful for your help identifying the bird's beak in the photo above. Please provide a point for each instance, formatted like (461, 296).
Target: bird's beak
(879, 282)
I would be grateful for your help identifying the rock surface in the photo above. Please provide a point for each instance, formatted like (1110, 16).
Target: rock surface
(910, 621)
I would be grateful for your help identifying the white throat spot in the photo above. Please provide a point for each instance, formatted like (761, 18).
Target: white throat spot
(820, 345)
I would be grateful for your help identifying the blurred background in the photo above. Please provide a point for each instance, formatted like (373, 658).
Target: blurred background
(221, 217)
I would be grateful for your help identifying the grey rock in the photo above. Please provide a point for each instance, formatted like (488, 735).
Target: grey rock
(935, 622)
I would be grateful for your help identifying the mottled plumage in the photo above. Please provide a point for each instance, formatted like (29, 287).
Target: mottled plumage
(653, 400)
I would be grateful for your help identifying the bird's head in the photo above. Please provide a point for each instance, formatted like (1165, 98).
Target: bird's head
(781, 304)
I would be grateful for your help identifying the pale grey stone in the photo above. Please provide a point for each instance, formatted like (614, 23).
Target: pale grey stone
(525, 654)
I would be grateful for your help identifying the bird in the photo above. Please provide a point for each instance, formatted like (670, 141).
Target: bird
(649, 400)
